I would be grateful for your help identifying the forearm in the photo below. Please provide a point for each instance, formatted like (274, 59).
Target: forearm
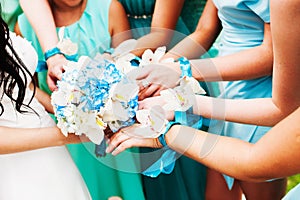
(207, 31)
(156, 38)
(41, 19)
(17, 140)
(44, 99)
(216, 152)
(260, 111)
(192, 47)
(242, 160)
(248, 64)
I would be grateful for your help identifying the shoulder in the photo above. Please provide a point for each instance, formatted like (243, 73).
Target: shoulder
(116, 6)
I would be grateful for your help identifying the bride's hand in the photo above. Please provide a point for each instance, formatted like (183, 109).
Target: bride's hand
(124, 139)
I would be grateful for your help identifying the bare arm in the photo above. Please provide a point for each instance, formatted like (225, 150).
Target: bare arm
(41, 19)
(165, 17)
(35, 10)
(14, 140)
(43, 98)
(196, 44)
(247, 64)
(277, 150)
(118, 24)
(286, 73)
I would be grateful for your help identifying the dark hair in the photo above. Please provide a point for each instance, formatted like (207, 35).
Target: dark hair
(13, 72)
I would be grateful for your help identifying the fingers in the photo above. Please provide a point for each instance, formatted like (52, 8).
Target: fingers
(115, 141)
(54, 74)
(51, 83)
(149, 91)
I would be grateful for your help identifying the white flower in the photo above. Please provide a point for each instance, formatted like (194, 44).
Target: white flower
(193, 84)
(124, 48)
(149, 57)
(65, 45)
(123, 63)
(153, 123)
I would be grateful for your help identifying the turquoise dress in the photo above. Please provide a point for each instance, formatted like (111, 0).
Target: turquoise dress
(243, 28)
(10, 12)
(108, 176)
(188, 179)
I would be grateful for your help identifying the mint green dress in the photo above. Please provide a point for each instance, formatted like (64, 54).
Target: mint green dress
(10, 11)
(188, 180)
(108, 176)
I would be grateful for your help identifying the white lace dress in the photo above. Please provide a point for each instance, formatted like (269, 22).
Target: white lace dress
(42, 174)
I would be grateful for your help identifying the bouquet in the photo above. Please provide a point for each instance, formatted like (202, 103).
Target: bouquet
(94, 96)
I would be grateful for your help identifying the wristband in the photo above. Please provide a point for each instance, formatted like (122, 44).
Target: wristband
(109, 51)
(161, 138)
(51, 52)
(185, 67)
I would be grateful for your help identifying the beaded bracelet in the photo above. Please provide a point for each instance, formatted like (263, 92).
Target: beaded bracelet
(185, 67)
(162, 138)
(52, 52)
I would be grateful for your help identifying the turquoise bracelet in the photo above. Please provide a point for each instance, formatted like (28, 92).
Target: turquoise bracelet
(109, 51)
(185, 67)
(162, 138)
(51, 52)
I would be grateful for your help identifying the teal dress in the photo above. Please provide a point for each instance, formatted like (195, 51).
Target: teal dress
(188, 179)
(243, 28)
(108, 176)
(10, 12)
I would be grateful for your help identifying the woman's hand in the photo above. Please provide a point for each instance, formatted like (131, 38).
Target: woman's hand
(153, 102)
(125, 139)
(55, 69)
(158, 77)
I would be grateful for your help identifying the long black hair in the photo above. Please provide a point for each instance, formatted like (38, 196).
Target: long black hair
(13, 72)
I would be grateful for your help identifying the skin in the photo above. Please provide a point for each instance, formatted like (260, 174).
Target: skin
(223, 156)
(252, 162)
(64, 15)
(164, 19)
(25, 139)
(162, 24)
(266, 161)
(247, 64)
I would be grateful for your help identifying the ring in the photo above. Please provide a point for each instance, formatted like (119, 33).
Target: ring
(145, 83)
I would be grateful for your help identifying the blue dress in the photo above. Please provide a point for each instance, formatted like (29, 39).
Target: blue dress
(188, 179)
(108, 176)
(293, 194)
(243, 28)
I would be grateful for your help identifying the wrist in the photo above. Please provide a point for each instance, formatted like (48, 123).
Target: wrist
(162, 138)
(52, 52)
(171, 134)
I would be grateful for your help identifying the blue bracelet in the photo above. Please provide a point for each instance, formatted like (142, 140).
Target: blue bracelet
(51, 52)
(161, 138)
(109, 51)
(185, 67)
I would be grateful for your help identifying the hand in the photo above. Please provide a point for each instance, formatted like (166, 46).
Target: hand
(156, 77)
(151, 102)
(124, 139)
(55, 70)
